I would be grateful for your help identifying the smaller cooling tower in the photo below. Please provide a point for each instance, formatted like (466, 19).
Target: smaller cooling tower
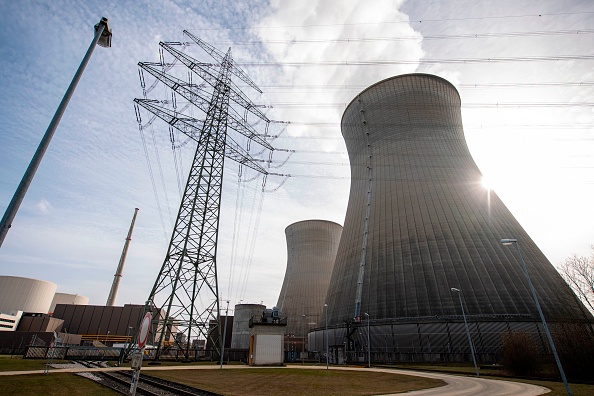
(311, 251)
(25, 294)
(241, 324)
(66, 298)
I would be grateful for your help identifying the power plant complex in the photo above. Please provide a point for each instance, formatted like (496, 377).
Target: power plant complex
(420, 255)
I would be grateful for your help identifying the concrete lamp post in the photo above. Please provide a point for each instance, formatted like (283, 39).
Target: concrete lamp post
(103, 38)
(326, 334)
(368, 344)
(303, 338)
(453, 289)
(512, 241)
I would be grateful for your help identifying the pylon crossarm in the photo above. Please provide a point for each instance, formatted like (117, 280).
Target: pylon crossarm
(218, 56)
(193, 127)
(206, 72)
(238, 154)
(192, 92)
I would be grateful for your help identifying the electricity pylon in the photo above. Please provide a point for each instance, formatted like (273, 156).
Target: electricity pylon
(186, 291)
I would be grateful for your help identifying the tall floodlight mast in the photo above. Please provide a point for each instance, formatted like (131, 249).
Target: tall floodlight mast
(186, 291)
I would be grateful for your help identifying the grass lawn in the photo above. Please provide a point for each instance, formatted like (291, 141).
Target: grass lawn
(293, 382)
(17, 363)
(261, 382)
(51, 385)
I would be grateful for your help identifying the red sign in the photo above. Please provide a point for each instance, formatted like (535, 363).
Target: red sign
(144, 330)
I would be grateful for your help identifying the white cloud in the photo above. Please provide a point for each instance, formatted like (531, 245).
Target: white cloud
(43, 206)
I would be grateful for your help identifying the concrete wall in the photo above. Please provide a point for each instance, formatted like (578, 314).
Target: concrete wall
(241, 330)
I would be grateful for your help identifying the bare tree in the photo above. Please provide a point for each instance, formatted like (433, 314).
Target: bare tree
(578, 272)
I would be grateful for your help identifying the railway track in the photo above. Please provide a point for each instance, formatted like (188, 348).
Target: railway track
(148, 385)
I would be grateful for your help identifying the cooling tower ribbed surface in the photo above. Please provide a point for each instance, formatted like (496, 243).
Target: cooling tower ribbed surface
(311, 251)
(240, 338)
(66, 298)
(430, 226)
(25, 294)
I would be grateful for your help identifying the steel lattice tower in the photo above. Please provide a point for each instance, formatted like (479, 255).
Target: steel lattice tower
(187, 282)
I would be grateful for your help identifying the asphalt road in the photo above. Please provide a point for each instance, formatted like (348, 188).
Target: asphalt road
(471, 386)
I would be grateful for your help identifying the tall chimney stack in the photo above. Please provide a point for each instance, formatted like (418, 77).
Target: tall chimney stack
(118, 275)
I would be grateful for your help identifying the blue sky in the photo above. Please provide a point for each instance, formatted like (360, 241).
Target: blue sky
(534, 142)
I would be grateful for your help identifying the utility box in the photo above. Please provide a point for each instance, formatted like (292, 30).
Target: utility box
(266, 341)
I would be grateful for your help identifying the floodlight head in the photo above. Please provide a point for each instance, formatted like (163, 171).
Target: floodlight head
(105, 39)
(455, 290)
(508, 241)
(366, 314)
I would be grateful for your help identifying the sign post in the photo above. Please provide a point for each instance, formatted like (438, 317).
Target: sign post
(136, 361)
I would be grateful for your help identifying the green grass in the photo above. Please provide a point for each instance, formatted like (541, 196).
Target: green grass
(557, 388)
(295, 382)
(51, 385)
(17, 363)
(249, 381)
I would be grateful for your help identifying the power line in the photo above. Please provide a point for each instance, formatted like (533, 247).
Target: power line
(415, 38)
(328, 87)
(464, 105)
(504, 59)
(403, 21)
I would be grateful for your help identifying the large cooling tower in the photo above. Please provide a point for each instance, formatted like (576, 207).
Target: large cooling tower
(431, 227)
(25, 294)
(311, 251)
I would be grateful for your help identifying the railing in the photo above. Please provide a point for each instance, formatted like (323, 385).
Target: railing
(273, 321)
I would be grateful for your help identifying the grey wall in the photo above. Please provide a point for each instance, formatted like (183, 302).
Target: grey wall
(241, 329)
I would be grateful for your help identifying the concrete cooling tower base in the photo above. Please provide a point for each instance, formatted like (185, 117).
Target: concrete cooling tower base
(439, 339)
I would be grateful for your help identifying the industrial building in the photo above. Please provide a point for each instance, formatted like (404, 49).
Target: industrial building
(24, 318)
(311, 251)
(418, 224)
(106, 324)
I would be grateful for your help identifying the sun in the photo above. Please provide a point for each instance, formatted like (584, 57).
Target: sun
(486, 183)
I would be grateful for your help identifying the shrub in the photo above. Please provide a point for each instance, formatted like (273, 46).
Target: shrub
(575, 346)
(520, 354)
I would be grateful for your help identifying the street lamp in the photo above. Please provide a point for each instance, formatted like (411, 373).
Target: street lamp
(303, 338)
(513, 241)
(224, 333)
(326, 334)
(368, 344)
(103, 38)
(466, 326)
